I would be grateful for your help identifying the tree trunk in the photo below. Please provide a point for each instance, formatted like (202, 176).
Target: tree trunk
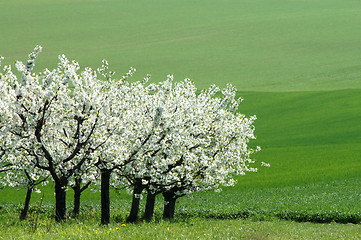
(60, 200)
(77, 193)
(149, 206)
(133, 215)
(25, 210)
(78, 189)
(105, 202)
(169, 205)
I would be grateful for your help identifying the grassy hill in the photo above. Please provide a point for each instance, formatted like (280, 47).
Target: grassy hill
(263, 45)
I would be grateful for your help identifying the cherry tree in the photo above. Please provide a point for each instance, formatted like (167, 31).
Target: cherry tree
(130, 103)
(17, 170)
(198, 142)
(58, 119)
(211, 146)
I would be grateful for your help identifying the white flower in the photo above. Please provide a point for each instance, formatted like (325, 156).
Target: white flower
(265, 164)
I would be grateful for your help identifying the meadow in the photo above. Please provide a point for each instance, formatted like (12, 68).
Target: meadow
(297, 65)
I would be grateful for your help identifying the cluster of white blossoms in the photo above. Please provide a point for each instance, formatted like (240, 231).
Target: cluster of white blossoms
(199, 142)
(66, 122)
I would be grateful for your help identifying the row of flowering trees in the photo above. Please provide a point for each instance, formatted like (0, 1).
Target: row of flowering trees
(77, 128)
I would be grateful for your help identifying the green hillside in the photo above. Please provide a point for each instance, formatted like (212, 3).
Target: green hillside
(307, 136)
(262, 45)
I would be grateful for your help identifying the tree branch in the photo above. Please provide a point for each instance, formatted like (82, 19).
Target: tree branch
(80, 144)
(85, 186)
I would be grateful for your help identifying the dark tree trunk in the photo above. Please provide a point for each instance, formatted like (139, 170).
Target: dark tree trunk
(78, 189)
(169, 205)
(149, 206)
(105, 202)
(60, 200)
(133, 215)
(77, 193)
(25, 210)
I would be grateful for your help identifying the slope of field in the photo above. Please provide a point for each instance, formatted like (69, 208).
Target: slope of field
(307, 135)
(263, 45)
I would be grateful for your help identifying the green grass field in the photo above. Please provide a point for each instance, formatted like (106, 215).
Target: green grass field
(297, 64)
(273, 45)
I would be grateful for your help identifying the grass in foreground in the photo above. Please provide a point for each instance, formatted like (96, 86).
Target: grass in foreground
(186, 229)
(322, 202)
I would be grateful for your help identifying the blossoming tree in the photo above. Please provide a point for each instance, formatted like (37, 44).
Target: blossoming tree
(58, 119)
(197, 143)
(137, 121)
(18, 170)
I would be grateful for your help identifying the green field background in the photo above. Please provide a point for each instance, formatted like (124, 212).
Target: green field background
(258, 45)
(297, 64)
